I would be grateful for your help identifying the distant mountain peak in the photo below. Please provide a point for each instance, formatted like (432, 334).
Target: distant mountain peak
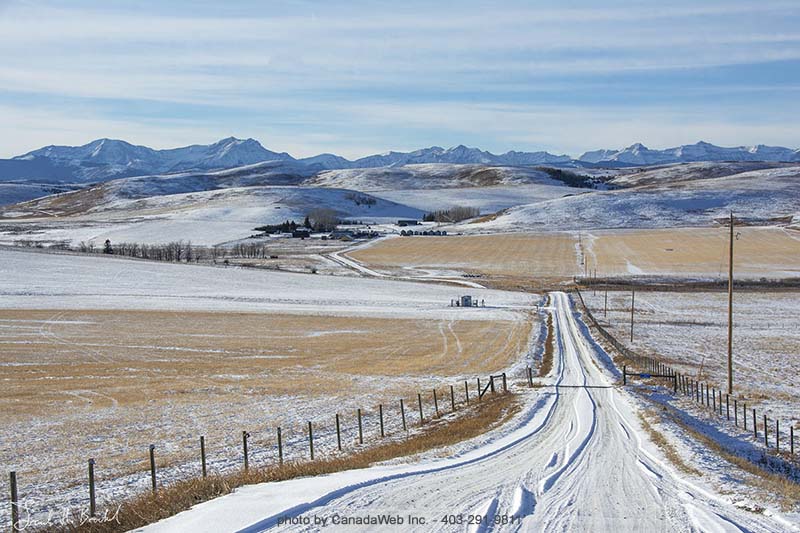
(638, 154)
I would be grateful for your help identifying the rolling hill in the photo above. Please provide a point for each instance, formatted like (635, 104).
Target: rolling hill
(763, 194)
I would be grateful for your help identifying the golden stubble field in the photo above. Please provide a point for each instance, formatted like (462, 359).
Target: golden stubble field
(557, 257)
(104, 384)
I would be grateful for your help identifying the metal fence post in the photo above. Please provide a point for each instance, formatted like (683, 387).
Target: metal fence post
(624, 375)
(338, 433)
(280, 446)
(380, 412)
(466, 391)
(766, 438)
(311, 440)
(203, 454)
(435, 403)
(245, 436)
(14, 502)
(755, 425)
(92, 501)
(403, 415)
(153, 466)
(360, 429)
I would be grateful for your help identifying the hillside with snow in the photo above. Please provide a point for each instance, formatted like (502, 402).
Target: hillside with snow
(760, 194)
(431, 176)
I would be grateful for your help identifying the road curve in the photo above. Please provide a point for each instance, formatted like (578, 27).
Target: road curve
(581, 462)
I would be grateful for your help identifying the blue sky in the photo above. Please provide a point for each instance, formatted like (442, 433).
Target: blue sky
(362, 77)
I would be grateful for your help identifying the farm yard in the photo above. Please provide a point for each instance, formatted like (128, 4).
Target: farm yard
(100, 357)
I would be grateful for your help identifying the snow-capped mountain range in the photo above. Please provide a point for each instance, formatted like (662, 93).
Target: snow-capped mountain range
(639, 154)
(106, 159)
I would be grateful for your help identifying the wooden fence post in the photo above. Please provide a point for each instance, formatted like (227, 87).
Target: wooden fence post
(530, 377)
(491, 383)
(755, 425)
(280, 446)
(311, 440)
(766, 438)
(466, 391)
(728, 406)
(380, 412)
(777, 436)
(245, 436)
(744, 415)
(505, 383)
(479, 388)
(338, 433)
(92, 501)
(203, 454)
(153, 466)
(403, 415)
(14, 502)
(714, 396)
(360, 429)
(435, 403)
(452, 399)
(421, 417)
(624, 375)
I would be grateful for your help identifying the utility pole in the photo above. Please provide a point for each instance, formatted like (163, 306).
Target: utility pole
(730, 312)
(633, 301)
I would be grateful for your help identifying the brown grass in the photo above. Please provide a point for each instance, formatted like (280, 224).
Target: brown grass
(664, 445)
(90, 377)
(549, 255)
(549, 348)
(512, 260)
(693, 250)
(786, 491)
(170, 500)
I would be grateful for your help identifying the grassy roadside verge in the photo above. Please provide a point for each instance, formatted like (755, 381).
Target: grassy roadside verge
(147, 508)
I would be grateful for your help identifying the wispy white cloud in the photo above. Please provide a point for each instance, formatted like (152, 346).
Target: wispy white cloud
(320, 76)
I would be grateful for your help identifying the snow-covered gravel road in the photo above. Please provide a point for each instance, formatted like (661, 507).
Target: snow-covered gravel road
(580, 461)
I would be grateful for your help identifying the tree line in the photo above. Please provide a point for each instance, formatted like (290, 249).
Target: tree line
(453, 214)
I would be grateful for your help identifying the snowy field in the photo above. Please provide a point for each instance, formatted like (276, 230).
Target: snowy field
(487, 199)
(123, 353)
(206, 217)
(689, 332)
